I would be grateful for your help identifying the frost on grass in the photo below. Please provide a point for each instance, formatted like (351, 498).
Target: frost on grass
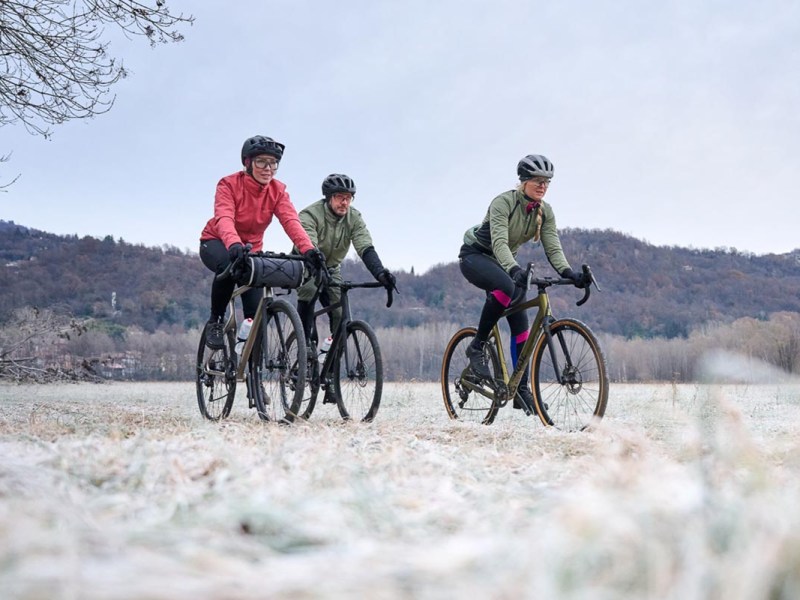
(123, 491)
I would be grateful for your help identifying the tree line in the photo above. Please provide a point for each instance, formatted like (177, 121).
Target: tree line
(142, 308)
(40, 346)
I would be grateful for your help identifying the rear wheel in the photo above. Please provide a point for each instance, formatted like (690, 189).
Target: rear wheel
(460, 400)
(358, 374)
(279, 376)
(216, 381)
(582, 396)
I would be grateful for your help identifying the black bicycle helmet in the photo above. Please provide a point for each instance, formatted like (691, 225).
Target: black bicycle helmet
(336, 182)
(259, 144)
(534, 165)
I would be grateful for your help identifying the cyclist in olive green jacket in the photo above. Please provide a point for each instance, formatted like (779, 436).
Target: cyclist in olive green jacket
(488, 260)
(333, 225)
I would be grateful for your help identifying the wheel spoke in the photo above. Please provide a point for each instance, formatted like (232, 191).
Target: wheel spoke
(277, 369)
(358, 374)
(582, 395)
(460, 401)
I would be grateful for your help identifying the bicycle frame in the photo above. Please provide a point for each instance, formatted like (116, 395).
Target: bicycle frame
(243, 360)
(338, 335)
(540, 326)
(542, 301)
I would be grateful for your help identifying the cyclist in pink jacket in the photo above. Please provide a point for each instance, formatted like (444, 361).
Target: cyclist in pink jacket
(244, 205)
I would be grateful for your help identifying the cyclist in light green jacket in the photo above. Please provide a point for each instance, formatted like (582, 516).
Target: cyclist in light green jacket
(333, 225)
(488, 260)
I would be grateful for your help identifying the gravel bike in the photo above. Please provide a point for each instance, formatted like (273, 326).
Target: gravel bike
(351, 374)
(266, 363)
(568, 369)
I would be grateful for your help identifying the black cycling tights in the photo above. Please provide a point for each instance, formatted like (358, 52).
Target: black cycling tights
(215, 256)
(486, 273)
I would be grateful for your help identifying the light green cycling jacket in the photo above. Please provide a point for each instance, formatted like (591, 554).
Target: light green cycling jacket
(333, 234)
(507, 226)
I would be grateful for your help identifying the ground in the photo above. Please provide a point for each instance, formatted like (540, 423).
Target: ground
(124, 491)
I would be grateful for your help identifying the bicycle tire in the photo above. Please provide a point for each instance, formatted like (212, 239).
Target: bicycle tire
(278, 376)
(215, 380)
(311, 391)
(582, 398)
(461, 403)
(358, 374)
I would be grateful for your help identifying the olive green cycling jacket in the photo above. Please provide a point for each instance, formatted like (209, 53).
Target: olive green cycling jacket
(333, 234)
(507, 225)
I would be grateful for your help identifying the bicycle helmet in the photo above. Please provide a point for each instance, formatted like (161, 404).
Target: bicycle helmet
(534, 165)
(336, 182)
(259, 144)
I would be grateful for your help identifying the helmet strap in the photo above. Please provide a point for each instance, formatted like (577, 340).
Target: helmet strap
(248, 166)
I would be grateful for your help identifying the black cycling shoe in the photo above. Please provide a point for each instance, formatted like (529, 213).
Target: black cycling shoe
(215, 333)
(523, 395)
(478, 361)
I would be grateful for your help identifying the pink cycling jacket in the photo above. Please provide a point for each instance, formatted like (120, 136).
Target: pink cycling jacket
(243, 209)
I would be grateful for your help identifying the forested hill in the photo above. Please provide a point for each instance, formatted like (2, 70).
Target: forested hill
(646, 290)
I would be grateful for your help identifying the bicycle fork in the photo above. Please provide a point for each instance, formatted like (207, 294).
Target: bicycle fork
(565, 375)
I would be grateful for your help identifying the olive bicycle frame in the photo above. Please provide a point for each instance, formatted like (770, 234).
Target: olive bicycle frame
(540, 326)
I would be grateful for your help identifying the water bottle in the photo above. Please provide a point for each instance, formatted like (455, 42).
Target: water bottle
(241, 337)
(323, 349)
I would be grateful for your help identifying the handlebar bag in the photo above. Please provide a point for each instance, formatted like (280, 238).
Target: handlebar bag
(261, 271)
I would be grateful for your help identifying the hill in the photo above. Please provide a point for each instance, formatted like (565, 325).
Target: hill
(647, 291)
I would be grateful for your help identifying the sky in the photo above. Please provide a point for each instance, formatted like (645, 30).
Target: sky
(673, 121)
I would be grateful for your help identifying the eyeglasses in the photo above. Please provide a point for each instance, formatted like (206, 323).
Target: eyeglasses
(343, 197)
(266, 163)
(540, 181)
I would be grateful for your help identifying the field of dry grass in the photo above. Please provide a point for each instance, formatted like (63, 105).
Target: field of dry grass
(122, 491)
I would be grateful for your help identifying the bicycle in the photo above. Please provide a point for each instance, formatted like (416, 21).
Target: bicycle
(266, 365)
(351, 375)
(568, 369)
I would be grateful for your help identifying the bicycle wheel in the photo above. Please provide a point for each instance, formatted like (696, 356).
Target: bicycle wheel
(460, 401)
(309, 399)
(278, 374)
(358, 374)
(216, 380)
(582, 397)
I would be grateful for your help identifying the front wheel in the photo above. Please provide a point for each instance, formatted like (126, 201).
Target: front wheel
(460, 399)
(216, 381)
(582, 395)
(358, 374)
(279, 370)
(312, 379)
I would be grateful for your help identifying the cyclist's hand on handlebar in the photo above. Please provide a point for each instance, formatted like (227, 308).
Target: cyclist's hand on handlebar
(519, 276)
(235, 252)
(578, 279)
(388, 280)
(315, 258)
(317, 266)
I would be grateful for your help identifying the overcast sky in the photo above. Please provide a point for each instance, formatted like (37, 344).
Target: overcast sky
(677, 121)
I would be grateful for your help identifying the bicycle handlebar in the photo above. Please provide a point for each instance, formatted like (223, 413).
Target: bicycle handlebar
(545, 282)
(349, 285)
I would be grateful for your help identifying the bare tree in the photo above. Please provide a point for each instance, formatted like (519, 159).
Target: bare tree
(54, 64)
(32, 342)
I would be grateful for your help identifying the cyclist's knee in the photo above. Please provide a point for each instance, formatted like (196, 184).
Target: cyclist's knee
(500, 297)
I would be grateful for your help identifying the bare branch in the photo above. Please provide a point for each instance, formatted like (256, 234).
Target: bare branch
(54, 61)
(3, 187)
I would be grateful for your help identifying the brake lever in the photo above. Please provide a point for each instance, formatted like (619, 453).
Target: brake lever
(587, 290)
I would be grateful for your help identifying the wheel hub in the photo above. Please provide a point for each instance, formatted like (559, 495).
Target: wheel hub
(572, 380)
